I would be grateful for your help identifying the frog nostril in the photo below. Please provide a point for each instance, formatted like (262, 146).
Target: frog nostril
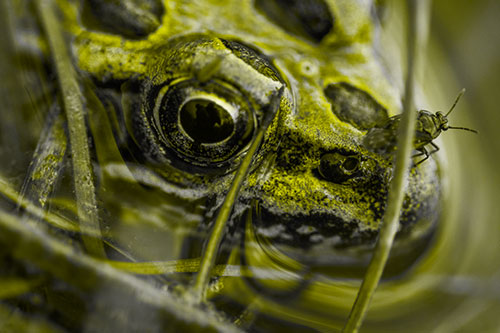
(338, 168)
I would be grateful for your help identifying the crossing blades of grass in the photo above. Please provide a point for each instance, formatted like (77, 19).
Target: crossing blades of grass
(75, 115)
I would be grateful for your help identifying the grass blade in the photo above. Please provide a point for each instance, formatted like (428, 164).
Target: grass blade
(207, 263)
(8, 192)
(73, 106)
(13, 287)
(47, 162)
(390, 221)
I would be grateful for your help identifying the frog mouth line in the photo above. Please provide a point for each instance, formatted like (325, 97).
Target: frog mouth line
(330, 245)
(305, 231)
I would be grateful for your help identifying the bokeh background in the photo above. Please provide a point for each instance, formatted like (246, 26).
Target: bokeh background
(464, 51)
(469, 32)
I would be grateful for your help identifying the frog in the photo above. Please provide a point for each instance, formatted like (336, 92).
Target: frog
(315, 185)
(174, 98)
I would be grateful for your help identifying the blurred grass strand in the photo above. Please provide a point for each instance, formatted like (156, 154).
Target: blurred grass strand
(71, 95)
(418, 15)
(57, 221)
(207, 262)
(14, 286)
(193, 265)
(91, 276)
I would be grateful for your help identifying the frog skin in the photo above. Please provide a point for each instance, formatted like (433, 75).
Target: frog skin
(313, 184)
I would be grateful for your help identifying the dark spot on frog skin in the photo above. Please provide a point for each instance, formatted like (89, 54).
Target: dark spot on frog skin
(133, 19)
(310, 19)
(355, 106)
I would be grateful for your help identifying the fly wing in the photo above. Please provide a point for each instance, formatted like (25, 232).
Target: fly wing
(380, 141)
(382, 138)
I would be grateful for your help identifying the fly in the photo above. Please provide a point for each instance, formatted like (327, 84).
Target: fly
(382, 138)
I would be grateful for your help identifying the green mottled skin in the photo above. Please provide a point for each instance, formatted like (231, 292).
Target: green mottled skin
(285, 177)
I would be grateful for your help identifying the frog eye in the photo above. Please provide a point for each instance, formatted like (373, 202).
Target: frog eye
(200, 106)
(338, 168)
(203, 124)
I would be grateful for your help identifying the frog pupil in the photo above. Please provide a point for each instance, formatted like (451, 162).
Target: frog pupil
(350, 164)
(205, 121)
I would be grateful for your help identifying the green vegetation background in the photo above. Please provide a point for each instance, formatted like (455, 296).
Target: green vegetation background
(469, 34)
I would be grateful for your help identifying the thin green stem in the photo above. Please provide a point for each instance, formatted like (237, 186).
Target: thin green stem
(390, 221)
(55, 220)
(207, 263)
(73, 106)
(46, 165)
(17, 286)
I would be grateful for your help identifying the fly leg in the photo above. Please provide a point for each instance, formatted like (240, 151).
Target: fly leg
(436, 148)
(424, 151)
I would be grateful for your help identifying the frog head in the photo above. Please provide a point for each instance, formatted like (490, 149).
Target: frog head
(188, 97)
